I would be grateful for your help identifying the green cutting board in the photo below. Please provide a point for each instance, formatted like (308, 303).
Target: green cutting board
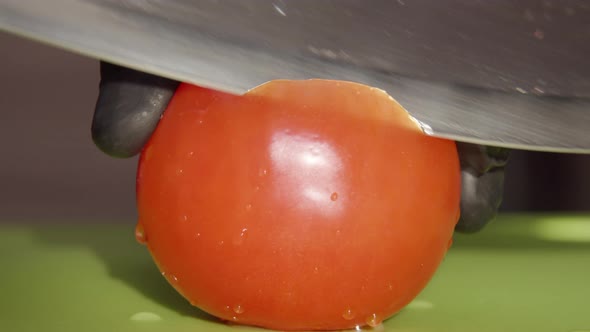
(522, 273)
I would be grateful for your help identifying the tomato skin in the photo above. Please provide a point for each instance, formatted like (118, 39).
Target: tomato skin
(303, 205)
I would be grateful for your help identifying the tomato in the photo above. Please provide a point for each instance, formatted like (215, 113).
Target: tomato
(301, 205)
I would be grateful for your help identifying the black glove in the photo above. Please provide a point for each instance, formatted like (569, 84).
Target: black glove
(482, 177)
(130, 104)
(128, 109)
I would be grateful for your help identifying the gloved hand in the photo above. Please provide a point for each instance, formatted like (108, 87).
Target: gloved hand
(130, 104)
(482, 177)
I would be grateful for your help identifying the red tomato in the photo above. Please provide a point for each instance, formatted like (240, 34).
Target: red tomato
(302, 205)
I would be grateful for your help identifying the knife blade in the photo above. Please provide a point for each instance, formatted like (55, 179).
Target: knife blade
(496, 74)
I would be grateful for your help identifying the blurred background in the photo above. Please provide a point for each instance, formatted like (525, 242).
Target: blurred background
(51, 171)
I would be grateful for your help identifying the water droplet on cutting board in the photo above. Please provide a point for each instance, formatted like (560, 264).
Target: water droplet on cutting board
(420, 304)
(145, 316)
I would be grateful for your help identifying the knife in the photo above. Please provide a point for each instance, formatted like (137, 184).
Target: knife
(498, 73)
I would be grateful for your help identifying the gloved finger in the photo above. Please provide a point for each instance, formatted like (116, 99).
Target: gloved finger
(128, 109)
(481, 158)
(482, 176)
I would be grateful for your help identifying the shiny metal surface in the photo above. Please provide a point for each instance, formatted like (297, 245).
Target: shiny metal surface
(497, 73)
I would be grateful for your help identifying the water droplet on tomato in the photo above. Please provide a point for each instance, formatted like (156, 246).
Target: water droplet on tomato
(238, 309)
(348, 314)
(334, 196)
(140, 235)
(372, 320)
(248, 207)
(185, 218)
(179, 171)
(227, 308)
(262, 172)
(198, 235)
(390, 287)
(240, 238)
